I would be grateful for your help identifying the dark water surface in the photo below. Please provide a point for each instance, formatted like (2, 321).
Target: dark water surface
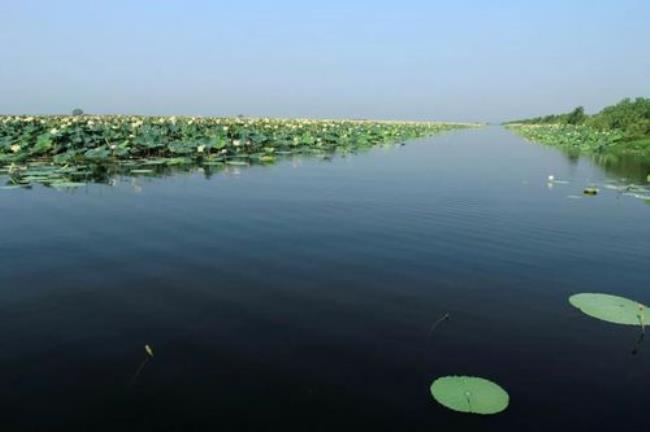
(299, 297)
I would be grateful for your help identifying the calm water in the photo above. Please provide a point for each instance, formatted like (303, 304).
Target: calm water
(300, 296)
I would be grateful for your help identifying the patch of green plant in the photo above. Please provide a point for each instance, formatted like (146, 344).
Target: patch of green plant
(470, 394)
(611, 308)
(571, 138)
(621, 128)
(61, 145)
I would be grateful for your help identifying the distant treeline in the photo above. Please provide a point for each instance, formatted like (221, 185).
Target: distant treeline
(631, 117)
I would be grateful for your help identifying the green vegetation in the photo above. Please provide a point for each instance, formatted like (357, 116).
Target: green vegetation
(611, 308)
(470, 394)
(60, 150)
(623, 128)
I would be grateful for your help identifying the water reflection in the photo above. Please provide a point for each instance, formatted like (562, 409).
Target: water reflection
(67, 177)
(634, 168)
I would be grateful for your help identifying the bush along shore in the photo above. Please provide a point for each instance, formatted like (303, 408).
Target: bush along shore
(623, 128)
(60, 150)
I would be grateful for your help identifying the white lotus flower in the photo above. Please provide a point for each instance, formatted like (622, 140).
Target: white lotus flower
(200, 148)
(15, 148)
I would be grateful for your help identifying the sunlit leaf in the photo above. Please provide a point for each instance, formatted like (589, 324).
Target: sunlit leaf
(611, 308)
(470, 394)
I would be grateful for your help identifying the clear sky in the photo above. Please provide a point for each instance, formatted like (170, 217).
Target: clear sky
(453, 60)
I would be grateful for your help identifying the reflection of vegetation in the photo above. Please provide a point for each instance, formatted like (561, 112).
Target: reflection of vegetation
(111, 172)
(623, 128)
(633, 167)
(69, 150)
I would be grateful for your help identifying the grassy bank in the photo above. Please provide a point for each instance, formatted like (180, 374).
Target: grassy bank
(623, 128)
(56, 149)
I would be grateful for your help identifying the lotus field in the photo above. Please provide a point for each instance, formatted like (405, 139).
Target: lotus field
(573, 138)
(59, 150)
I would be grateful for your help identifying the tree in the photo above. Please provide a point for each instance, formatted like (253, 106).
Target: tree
(77, 112)
(576, 116)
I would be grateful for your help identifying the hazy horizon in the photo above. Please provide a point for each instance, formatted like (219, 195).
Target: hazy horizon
(413, 60)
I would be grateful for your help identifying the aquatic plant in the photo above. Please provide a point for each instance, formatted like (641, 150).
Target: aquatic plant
(572, 138)
(438, 321)
(611, 308)
(620, 128)
(44, 147)
(467, 394)
(148, 356)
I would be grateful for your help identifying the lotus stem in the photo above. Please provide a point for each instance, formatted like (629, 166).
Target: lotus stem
(641, 312)
(437, 322)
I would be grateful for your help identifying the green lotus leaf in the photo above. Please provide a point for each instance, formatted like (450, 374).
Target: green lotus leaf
(98, 153)
(43, 144)
(470, 394)
(611, 308)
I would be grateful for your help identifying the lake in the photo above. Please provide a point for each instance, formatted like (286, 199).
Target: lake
(301, 296)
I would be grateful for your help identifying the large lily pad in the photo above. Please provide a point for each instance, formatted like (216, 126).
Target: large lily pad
(611, 308)
(470, 394)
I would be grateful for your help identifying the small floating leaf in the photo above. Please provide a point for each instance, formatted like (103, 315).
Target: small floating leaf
(610, 308)
(148, 350)
(470, 394)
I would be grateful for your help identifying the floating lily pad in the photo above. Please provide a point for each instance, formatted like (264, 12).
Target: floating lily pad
(470, 394)
(611, 308)
(141, 171)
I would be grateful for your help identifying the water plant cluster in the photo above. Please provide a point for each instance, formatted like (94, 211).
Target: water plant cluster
(572, 138)
(620, 128)
(477, 395)
(60, 150)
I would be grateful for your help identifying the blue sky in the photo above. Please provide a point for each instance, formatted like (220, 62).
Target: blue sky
(460, 60)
